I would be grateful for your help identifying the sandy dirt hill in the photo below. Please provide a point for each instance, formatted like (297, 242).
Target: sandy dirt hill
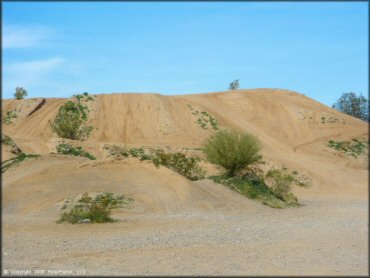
(176, 226)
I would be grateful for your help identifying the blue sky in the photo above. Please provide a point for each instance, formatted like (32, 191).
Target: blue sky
(57, 49)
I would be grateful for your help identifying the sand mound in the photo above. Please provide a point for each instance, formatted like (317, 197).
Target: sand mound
(294, 129)
(44, 183)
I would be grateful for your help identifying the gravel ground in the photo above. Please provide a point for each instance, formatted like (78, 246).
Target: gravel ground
(325, 237)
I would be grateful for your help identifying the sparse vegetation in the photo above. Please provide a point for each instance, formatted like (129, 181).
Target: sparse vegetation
(5, 165)
(179, 162)
(68, 149)
(329, 120)
(20, 156)
(281, 183)
(355, 147)
(232, 150)
(9, 116)
(83, 97)
(204, 119)
(69, 122)
(20, 93)
(234, 85)
(7, 141)
(93, 210)
(254, 187)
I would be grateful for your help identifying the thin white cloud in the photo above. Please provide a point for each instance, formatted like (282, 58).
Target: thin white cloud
(39, 66)
(29, 74)
(16, 36)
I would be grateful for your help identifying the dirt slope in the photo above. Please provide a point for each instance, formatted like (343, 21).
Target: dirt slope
(293, 129)
(176, 226)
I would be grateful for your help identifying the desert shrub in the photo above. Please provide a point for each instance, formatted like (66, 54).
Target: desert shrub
(281, 184)
(179, 162)
(253, 187)
(234, 85)
(20, 93)
(232, 150)
(355, 147)
(76, 151)
(137, 152)
(5, 165)
(96, 210)
(116, 150)
(7, 118)
(69, 121)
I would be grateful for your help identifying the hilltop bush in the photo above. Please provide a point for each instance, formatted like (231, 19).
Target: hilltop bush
(69, 121)
(232, 150)
(234, 85)
(20, 93)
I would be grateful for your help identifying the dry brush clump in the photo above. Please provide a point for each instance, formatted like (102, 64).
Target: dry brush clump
(355, 147)
(68, 149)
(176, 161)
(93, 210)
(8, 117)
(281, 183)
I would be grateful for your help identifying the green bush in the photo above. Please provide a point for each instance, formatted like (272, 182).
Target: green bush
(232, 150)
(76, 151)
(20, 93)
(69, 121)
(96, 210)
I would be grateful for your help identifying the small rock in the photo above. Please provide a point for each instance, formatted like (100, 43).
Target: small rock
(85, 221)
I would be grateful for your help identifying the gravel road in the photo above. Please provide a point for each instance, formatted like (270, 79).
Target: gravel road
(324, 237)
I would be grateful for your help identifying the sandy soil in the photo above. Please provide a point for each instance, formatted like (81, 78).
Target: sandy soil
(178, 227)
